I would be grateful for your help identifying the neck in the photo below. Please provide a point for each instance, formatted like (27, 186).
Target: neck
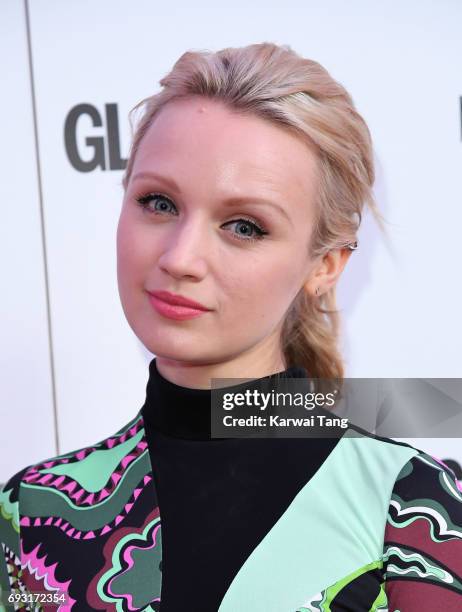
(185, 412)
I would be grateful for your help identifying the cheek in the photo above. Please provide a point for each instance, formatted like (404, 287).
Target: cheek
(262, 290)
(124, 250)
(132, 255)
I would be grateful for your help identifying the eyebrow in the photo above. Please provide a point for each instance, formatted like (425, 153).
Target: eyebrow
(232, 201)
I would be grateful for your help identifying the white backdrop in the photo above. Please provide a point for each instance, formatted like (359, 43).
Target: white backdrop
(72, 371)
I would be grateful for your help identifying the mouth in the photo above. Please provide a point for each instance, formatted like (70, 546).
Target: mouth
(176, 307)
(177, 300)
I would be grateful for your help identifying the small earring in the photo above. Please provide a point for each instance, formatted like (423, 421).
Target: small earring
(317, 291)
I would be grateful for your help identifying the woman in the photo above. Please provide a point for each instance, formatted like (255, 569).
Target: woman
(244, 192)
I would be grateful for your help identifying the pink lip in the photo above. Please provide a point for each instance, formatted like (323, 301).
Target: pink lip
(175, 306)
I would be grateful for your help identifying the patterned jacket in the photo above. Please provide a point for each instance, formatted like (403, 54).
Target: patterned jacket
(82, 531)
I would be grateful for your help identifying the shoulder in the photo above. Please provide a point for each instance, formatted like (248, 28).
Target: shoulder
(82, 476)
(398, 474)
(50, 511)
(376, 457)
(426, 487)
(415, 472)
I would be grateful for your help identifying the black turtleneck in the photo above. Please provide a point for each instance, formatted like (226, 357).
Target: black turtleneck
(218, 497)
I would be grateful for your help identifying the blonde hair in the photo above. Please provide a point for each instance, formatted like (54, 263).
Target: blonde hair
(275, 83)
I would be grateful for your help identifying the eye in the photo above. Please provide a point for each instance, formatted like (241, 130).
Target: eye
(247, 230)
(159, 204)
(164, 203)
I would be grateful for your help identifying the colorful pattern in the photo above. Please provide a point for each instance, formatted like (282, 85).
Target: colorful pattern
(88, 524)
(421, 566)
(364, 585)
(423, 538)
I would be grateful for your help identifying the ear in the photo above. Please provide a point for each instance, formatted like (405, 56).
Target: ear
(325, 274)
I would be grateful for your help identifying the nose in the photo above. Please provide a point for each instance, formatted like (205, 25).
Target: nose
(185, 250)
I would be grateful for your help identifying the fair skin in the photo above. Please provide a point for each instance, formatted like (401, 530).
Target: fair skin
(189, 240)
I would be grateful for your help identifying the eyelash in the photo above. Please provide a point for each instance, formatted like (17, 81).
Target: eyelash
(144, 200)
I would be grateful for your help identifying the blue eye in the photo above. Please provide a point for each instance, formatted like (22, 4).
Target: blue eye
(258, 232)
(144, 202)
(252, 230)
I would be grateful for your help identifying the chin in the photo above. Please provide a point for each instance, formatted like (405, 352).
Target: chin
(177, 346)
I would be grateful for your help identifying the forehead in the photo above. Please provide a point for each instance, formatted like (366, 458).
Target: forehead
(204, 139)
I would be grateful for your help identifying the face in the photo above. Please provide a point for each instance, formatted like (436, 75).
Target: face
(219, 209)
